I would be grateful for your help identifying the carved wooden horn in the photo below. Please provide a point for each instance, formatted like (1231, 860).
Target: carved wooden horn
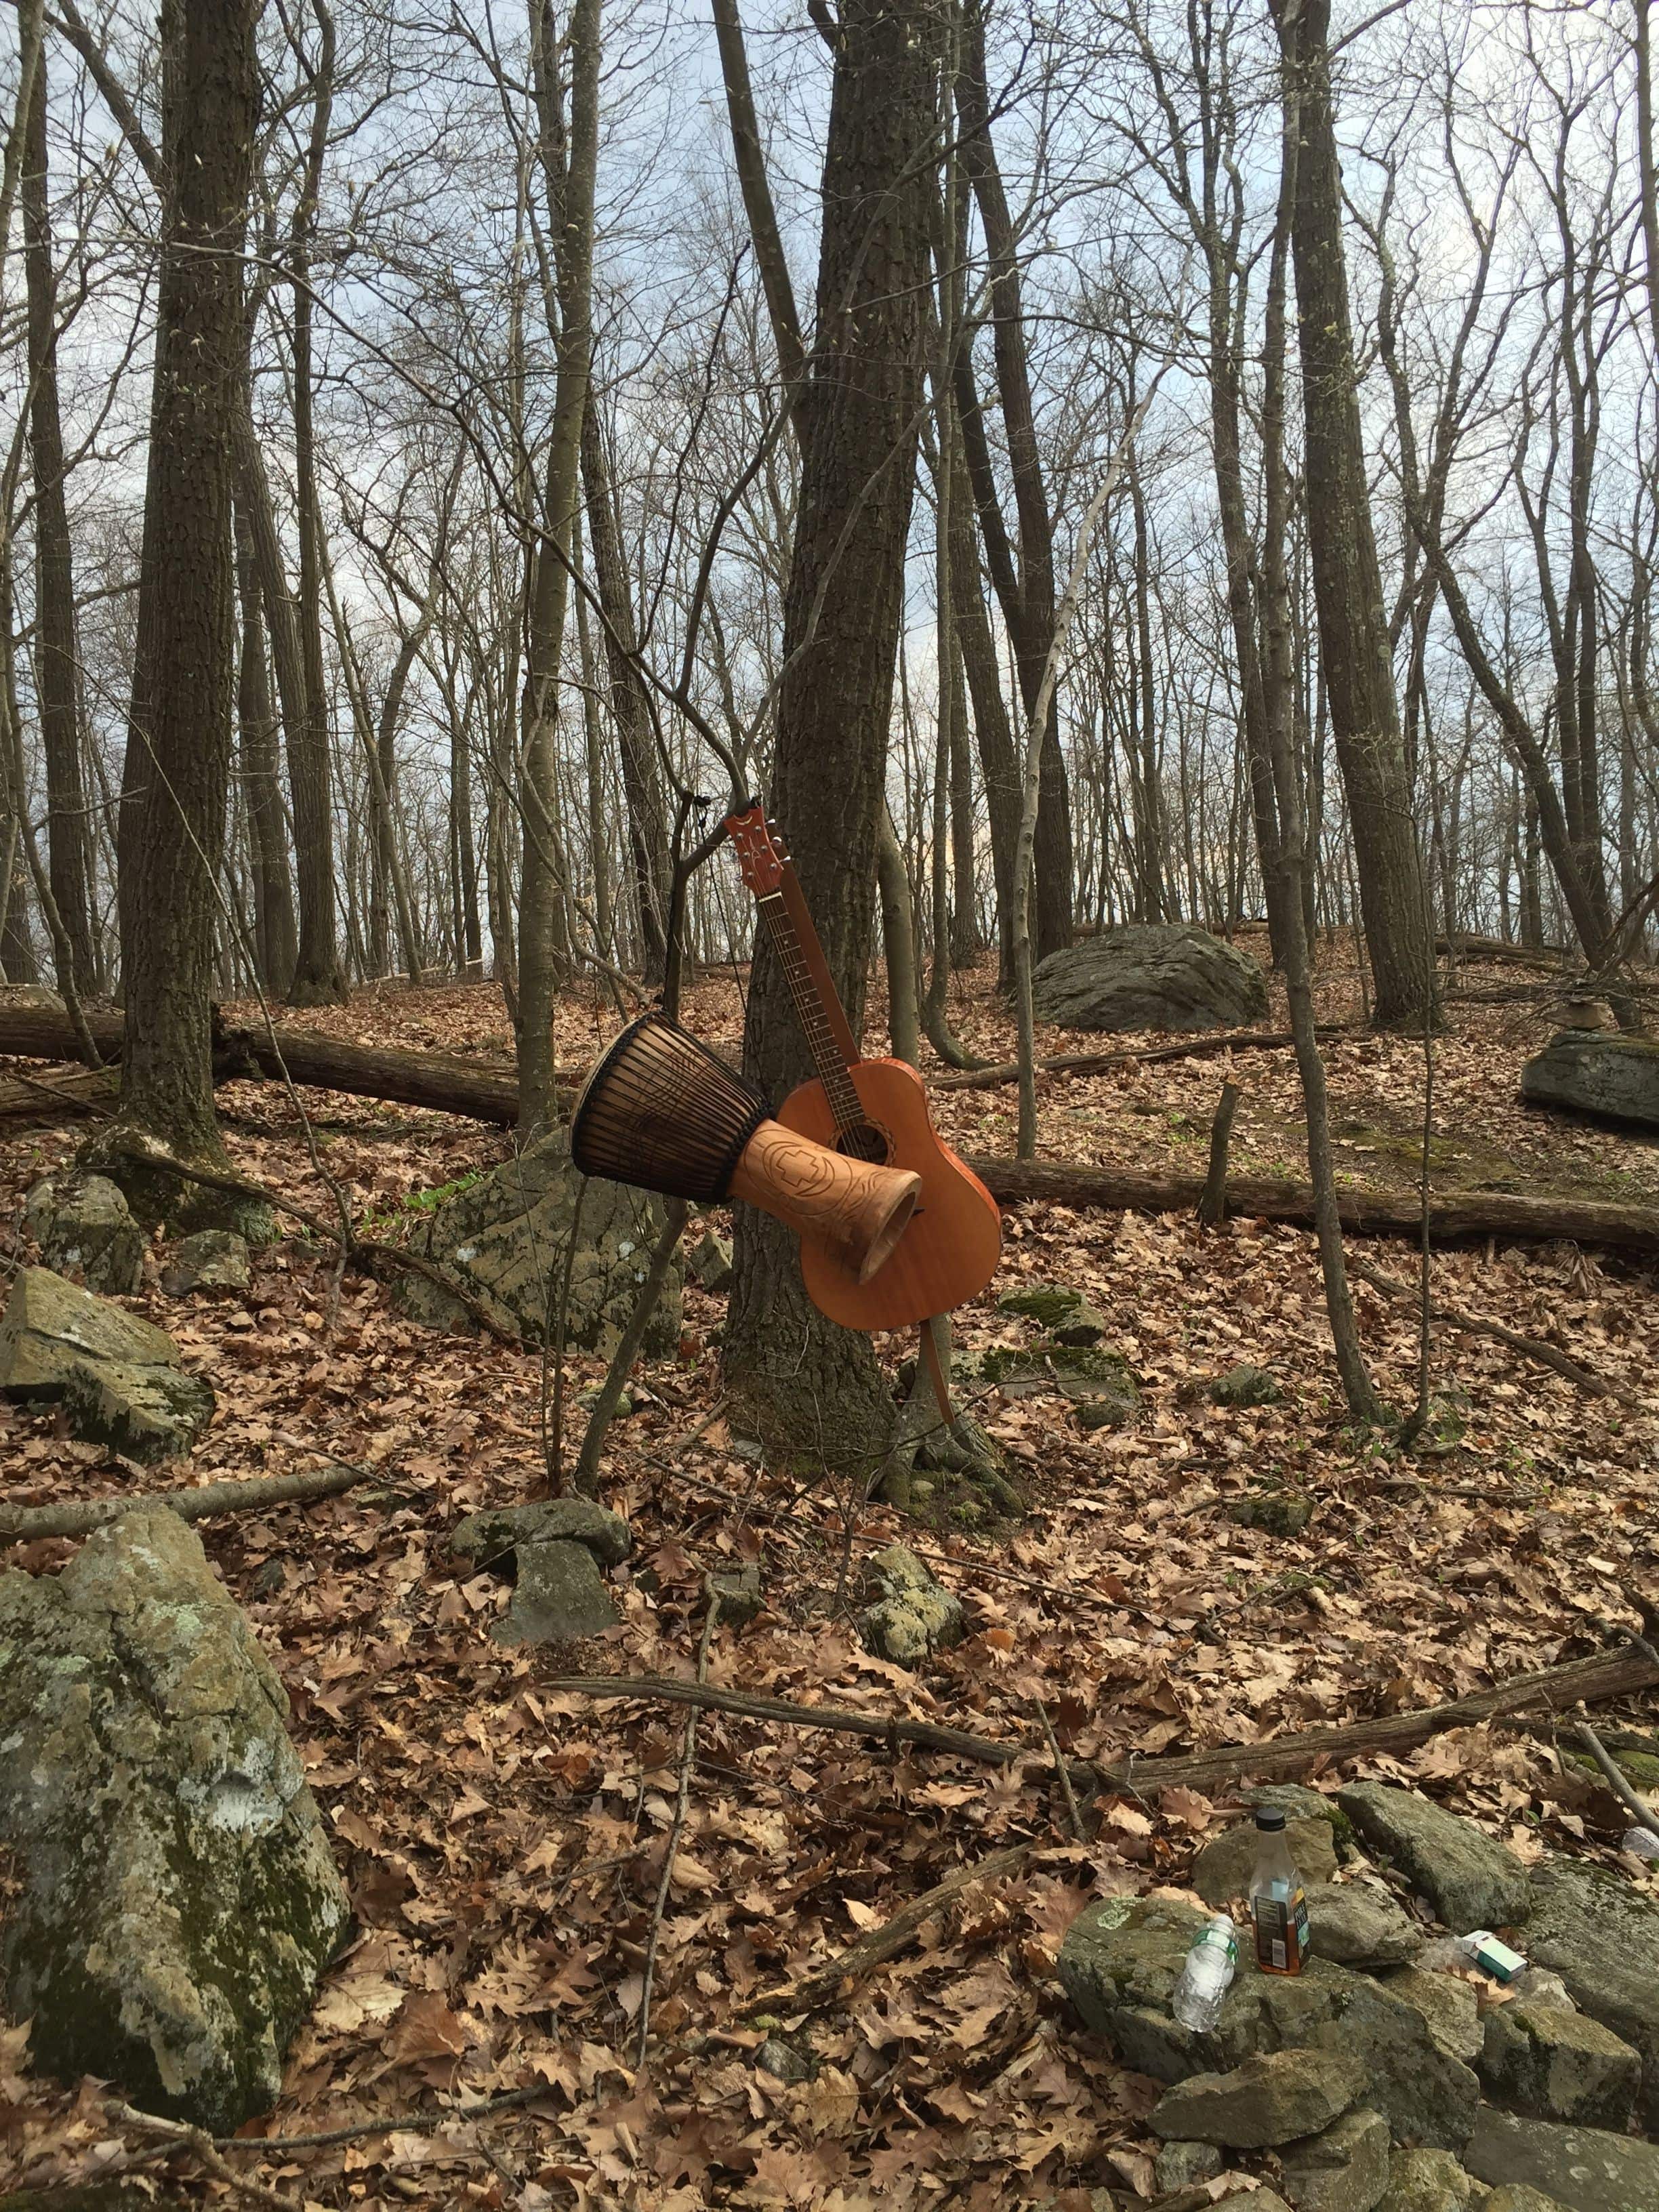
(856, 1212)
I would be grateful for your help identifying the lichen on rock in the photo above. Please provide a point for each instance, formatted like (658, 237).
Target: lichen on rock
(180, 1899)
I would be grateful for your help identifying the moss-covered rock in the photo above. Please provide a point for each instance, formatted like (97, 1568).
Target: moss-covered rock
(179, 1900)
(506, 1237)
(1064, 1314)
(84, 1227)
(1284, 1513)
(1245, 1385)
(913, 1614)
(1087, 1374)
(117, 1379)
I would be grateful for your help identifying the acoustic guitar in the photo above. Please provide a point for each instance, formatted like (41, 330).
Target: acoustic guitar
(869, 1109)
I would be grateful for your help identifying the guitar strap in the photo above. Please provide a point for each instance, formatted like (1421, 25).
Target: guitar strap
(935, 1367)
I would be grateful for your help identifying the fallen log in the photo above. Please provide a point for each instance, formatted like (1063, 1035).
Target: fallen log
(1005, 1071)
(842, 1974)
(33, 1097)
(27, 1524)
(1549, 1689)
(482, 1090)
(1376, 1212)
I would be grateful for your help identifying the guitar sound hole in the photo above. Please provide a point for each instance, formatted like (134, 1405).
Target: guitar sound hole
(865, 1141)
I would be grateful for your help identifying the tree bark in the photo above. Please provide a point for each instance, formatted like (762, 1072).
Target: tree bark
(56, 658)
(178, 743)
(1354, 631)
(544, 947)
(318, 978)
(807, 1384)
(276, 945)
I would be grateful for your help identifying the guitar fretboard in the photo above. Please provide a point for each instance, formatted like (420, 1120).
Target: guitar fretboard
(809, 1012)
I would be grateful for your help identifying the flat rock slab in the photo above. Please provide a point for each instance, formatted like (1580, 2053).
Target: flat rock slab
(51, 1326)
(1425, 2181)
(1270, 2099)
(1150, 976)
(559, 1596)
(1449, 2005)
(180, 1899)
(1583, 2169)
(489, 1535)
(1559, 2064)
(1515, 2197)
(1222, 1870)
(1597, 1071)
(1427, 2095)
(506, 1237)
(1602, 1936)
(1468, 1877)
(146, 1413)
(1355, 1926)
(1345, 2169)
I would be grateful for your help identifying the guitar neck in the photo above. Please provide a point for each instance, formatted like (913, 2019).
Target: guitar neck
(818, 1007)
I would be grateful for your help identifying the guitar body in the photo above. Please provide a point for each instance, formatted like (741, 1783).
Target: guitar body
(950, 1251)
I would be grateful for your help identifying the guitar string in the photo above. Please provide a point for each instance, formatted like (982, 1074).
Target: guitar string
(838, 1085)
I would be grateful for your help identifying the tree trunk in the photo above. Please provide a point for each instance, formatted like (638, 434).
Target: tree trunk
(319, 979)
(274, 939)
(1030, 610)
(178, 756)
(544, 944)
(806, 1384)
(56, 660)
(993, 737)
(631, 706)
(1353, 631)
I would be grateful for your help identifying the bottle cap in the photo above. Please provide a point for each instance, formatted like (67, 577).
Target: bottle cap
(1270, 1819)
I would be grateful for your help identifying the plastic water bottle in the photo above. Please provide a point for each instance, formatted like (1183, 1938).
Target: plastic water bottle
(1207, 1976)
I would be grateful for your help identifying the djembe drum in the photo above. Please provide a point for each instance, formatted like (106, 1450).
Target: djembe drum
(662, 1112)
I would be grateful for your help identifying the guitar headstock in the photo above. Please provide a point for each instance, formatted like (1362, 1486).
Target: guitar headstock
(762, 854)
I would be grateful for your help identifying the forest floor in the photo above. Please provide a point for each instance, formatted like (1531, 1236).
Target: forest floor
(503, 1841)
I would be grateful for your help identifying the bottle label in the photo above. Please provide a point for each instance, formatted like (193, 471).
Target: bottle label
(1281, 1931)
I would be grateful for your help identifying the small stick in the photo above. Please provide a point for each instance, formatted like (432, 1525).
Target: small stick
(27, 1524)
(418, 2124)
(1639, 1810)
(1064, 1772)
(682, 1804)
(1547, 1355)
(198, 2141)
(1212, 1202)
(871, 1951)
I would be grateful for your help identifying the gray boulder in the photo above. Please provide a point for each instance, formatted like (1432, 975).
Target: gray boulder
(488, 1536)
(146, 1413)
(1593, 1072)
(558, 1596)
(1602, 1936)
(912, 1614)
(1151, 975)
(1356, 1925)
(1427, 2095)
(1179, 2165)
(84, 1225)
(1515, 2197)
(1425, 2181)
(1343, 2170)
(736, 1590)
(710, 1262)
(1245, 1385)
(213, 1260)
(179, 1900)
(1582, 2168)
(117, 1378)
(1222, 1868)
(1560, 2064)
(51, 1327)
(505, 1239)
(1449, 2006)
(1470, 1879)
(1123, 1956)
(1270, 2099)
